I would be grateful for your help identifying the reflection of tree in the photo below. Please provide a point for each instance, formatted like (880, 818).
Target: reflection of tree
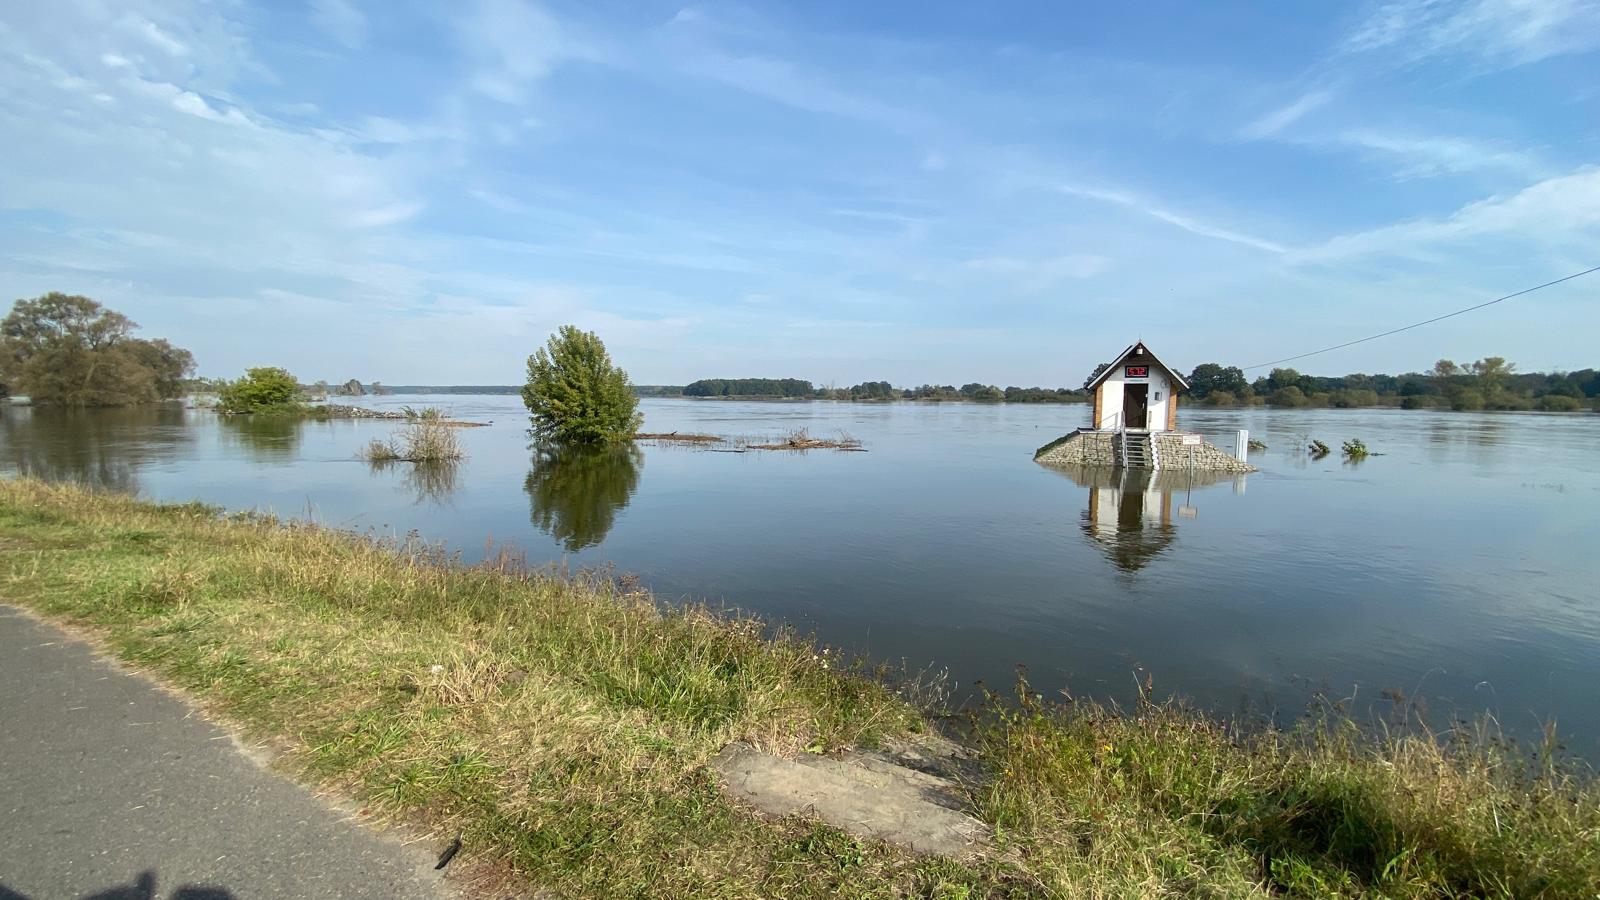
(264, 436)
(576, 492)
(431, 481)
(99, 447)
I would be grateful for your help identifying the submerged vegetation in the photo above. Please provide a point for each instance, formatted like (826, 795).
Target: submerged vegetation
(263, 390)
(563, 727)
(575, 395)
(68, 350)
(427, 437)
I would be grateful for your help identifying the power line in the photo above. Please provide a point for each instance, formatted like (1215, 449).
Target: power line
(1458, 312)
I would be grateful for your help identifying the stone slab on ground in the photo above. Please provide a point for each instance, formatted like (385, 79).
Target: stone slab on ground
(111, 787)
(865, 795)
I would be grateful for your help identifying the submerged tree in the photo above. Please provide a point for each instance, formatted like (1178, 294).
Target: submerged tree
(576, 395)
(66, 350)
(266, 389)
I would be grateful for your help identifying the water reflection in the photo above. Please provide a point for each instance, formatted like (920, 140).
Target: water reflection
(103, 448)
(1132, 513)
(431, 482)
(266, 438)
(575, 494)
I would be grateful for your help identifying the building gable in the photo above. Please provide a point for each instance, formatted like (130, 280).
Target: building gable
(1137, 354)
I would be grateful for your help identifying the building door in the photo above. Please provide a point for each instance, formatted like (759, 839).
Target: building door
(1134, 397)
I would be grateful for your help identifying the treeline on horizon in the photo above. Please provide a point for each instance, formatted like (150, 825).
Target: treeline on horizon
(1489, 383)
(800, 389)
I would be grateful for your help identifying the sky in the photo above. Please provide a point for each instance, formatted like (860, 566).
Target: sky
(420, 192)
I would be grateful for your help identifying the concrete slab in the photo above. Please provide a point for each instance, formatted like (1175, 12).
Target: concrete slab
(865, 795)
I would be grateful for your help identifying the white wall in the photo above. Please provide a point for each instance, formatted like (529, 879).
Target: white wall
(1111, 400)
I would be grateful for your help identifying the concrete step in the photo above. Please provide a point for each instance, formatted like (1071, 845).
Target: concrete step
(867, 795)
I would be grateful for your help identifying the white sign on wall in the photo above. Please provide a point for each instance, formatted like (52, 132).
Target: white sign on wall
(1191, 440)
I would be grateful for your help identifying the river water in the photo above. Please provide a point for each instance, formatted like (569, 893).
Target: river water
(1459, 569)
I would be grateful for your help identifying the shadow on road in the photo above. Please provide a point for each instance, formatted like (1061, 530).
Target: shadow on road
(142, 888)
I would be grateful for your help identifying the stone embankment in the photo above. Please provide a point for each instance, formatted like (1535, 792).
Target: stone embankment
(1098, 448)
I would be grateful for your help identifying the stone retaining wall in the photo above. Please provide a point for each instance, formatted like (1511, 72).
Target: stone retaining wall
(1080, 448)
(1174, 455)
(1098, 448)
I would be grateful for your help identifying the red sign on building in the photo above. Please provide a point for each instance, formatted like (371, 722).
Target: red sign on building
(1137, 372)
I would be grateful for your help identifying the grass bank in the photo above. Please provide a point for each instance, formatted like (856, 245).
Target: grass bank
(563, 727)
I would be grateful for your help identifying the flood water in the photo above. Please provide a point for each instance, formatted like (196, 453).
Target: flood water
(1459, 567)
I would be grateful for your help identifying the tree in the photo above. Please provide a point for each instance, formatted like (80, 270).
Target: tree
(68, 350)
(1095, 374)
(1208, 377)
(1491, 370)
(261, 390)
(576, 395)
(1288, 395)
(169, 366)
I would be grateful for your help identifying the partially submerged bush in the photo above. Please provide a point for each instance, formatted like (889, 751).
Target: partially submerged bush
(266, 389)
(1355, 449)
(1318, 449)
(425, 438)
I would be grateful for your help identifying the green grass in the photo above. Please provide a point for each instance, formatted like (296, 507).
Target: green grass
(563, 726)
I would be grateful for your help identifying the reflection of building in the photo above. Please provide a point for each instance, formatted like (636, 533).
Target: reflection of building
(1132, 513)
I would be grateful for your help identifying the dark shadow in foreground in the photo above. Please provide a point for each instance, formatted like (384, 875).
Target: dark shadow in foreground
(142, 888)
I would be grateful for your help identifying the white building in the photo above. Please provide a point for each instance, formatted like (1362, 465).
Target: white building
(1136, 392)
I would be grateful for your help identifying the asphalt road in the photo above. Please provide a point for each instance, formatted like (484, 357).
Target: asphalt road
(113, 789)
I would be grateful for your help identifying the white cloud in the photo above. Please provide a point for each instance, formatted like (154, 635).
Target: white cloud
(1499, 33)
(1178, 220)
(514, 43)
(1558, 215)
(341, 20)
(392, 214)
(1426, 157)
(1034, 276)
(153, 34)
(1279, 119)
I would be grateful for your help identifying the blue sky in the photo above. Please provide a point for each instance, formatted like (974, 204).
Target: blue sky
(421, 192)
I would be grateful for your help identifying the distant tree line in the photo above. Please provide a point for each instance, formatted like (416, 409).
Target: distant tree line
(795, 388)
(1489, 383)
(750, 387)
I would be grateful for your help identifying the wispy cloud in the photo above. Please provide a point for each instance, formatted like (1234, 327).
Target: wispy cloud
(341, 20)
(1556, 215)
(1279, 119)
(1426, 156)
(514, 44)
(1179, 220)
(1033, 276)
(1497, 33)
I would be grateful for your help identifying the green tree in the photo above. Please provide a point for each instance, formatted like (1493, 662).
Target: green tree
(576, 395)
(1288, 395)
(68, 350)
(1209, 377)
(1491, 371)
(1095, 374)
(261, 390)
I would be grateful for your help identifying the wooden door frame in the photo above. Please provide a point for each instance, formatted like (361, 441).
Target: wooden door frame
(1143, 393)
